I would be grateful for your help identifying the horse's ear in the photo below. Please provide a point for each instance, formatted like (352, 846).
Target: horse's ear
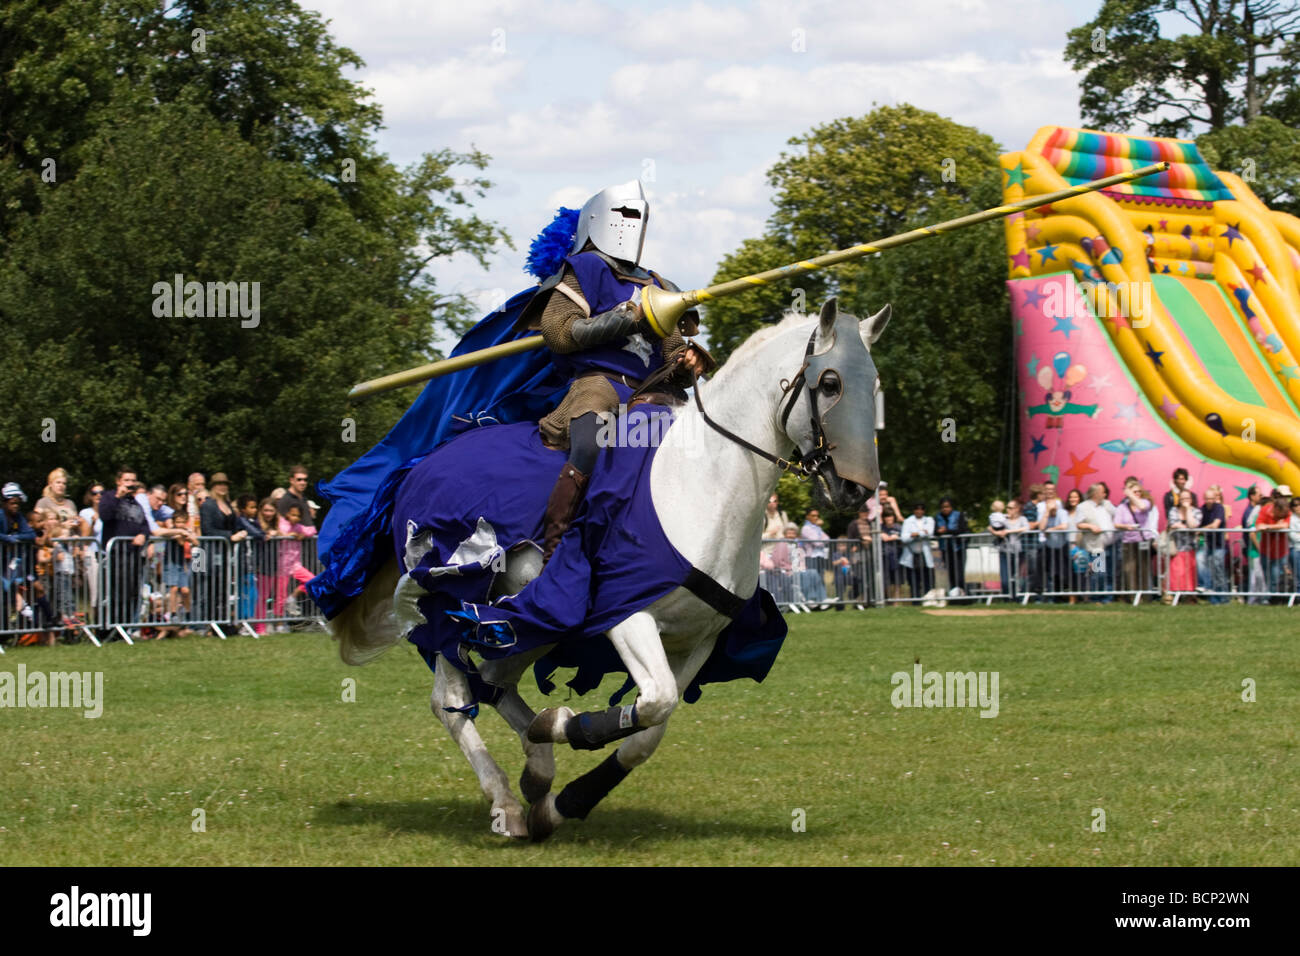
(873, 325)
(830, 312)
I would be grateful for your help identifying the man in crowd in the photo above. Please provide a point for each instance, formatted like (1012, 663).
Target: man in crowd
(1179, 485)
(123, 517)
(1094, 523)
(950, 526)
(297, 496)
(1253, 573)
(17, 540)
(1271, 527)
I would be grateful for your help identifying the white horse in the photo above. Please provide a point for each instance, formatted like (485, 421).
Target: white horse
(710, 507)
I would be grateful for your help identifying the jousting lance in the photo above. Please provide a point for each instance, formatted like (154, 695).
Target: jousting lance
(664, 310)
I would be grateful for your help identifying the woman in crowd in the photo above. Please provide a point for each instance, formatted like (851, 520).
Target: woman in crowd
(266, 561)
(1136, 518)
(891, 546)
(950, 527)
(217, 520)
(918, 556)
(177, 555)
(91, 527)
(1071, 576)
(1184, 518)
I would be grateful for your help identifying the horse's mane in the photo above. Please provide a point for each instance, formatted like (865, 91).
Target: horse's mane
(766, 334)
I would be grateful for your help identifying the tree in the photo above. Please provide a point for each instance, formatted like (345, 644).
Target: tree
(221, 165)
(1266, 153)
(1238, 61)
(947, 352)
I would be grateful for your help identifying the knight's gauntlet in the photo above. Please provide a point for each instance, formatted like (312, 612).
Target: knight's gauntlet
(618, 323)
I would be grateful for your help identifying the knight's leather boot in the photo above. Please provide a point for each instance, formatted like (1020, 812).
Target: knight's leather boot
(560, 509)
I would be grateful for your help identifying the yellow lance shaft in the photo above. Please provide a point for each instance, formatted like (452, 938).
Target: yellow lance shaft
(664, 309)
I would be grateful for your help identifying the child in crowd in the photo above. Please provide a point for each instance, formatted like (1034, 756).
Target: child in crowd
(997, 516)
(292, 528)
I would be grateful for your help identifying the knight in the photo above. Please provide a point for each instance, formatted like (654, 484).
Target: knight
(589, 314)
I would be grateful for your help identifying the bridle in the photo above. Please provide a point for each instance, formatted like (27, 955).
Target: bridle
(804, 465)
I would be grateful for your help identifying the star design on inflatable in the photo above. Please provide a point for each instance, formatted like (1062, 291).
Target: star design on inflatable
(1021, 259)
(1288, 371)
(1039, 446)
(1080, 468)
(1016, 175)
(1153, 355)
(1047, 252)
(1032, 231)
(1277, 456)
(1054, 472)
(638, 346)
(1032, 364)
(1243, 491)
(1169, 408)
(1259, 272)
(1064, 324)
(1126, 410)
(1032, 298)
(1233, 233)
(1099, 382)
(1164, 225)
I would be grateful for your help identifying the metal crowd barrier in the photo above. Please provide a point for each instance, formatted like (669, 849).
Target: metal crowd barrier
(1215, 565)
(78, 588)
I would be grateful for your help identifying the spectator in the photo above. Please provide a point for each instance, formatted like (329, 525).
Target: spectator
(881, 503)
(178, 554)
(1183, 519)
(1294, 535)
(58, 507)
(218, 520)
(266, 555)
(917, 557)
(91, 527)
(1094, 523)
(1054, 520)
(1071, 571)
(818, 549)
(1211, 566)
(860, 554)
(1180, 482)
(1271, 525)
(291, 566)
(249, 553)
(17, 542)
(122, 517)
(1110, 545)
(198, 493)
(1010, 531)
(1032, 542)
(297, 495)
(891, 546)
(774, 519)
(949, 527)
(63, 561)
(1137, 520)
(1254, 584)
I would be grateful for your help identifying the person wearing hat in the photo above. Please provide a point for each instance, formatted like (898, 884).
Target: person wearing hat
(13, 525)
(217, 519)
(16, 546)
(1271, 526)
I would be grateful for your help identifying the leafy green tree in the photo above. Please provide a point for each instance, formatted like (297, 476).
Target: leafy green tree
(1266, 153)
(947, 353)
(249, 160)
(1239, 59)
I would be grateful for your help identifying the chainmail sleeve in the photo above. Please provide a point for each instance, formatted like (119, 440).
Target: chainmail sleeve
(560, 314)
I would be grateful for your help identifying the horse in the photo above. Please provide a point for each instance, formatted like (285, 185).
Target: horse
(710, 507)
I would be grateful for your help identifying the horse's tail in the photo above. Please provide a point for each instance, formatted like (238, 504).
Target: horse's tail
(367, 627)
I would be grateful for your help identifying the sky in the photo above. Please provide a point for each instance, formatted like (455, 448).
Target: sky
(697, 99)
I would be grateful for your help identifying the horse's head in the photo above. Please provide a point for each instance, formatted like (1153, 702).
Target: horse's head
(832, 403)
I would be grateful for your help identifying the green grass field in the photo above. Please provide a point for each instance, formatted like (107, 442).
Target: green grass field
(1136, 712)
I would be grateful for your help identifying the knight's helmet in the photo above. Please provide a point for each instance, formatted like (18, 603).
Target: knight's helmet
(614, 220)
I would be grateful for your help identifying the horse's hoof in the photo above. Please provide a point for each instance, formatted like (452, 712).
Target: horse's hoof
(543, 818)
(509, 820)
(548, 726)
(533, 786)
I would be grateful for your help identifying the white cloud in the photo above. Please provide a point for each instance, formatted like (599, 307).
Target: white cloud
(459, 88)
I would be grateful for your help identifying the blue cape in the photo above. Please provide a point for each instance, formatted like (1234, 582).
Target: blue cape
(355, 537)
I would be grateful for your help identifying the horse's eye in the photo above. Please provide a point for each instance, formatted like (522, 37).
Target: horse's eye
(830, 384)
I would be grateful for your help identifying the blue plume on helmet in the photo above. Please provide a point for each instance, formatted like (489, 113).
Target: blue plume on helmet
(552, 244)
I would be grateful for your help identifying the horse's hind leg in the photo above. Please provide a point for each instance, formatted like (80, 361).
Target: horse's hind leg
(451, 690)
(539, 766)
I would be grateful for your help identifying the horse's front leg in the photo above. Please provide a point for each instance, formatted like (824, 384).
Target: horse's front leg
(450, 693)
(581, 795)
